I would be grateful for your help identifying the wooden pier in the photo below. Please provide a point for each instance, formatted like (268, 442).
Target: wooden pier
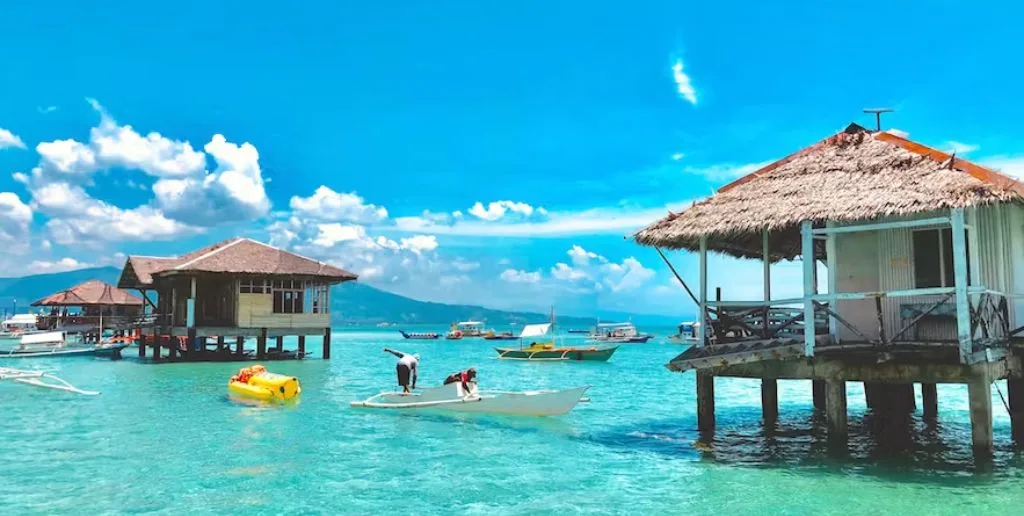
(924, 256)
(229, 292)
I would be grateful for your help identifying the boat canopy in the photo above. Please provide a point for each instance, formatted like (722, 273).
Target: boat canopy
(471, 323)
(614, 324)
(20, 319)
(535, 330)
(43, 338)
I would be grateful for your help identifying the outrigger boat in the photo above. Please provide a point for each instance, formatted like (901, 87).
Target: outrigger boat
(621, 333)
(686, 333)
(420, 336)
(549, 351)
(41, 379)
(452, 398)
(54, 344)
(505, 335)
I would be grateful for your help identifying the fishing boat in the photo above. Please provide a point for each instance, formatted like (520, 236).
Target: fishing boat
(577, 330)
(546, 350)
(18, 325)
(420, 336)
(452, 398)
(471, 328)
(621, 333)
(54, 344)
(454, 333)
(505, 335)
(686, 333)
(40, 379)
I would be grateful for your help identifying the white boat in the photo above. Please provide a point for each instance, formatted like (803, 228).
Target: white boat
(451, 398)
(618, 333)
(471, 328)
(40, 379)
(686, 333)
(54, 344)
(18, 325)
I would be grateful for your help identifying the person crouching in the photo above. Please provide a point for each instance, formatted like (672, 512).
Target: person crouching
(463, 377)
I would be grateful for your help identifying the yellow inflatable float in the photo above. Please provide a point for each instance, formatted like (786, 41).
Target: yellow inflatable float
(257, 383)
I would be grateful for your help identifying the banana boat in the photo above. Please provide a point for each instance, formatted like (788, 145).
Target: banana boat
(257, 383)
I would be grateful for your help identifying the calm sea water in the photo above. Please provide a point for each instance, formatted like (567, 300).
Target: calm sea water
(167, 439)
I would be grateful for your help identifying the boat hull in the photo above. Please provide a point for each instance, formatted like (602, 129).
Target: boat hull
(108, 351)
(449, 398)
(578, 354)
(420, 336)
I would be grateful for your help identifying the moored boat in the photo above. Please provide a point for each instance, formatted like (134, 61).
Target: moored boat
(505, 335)
(452, 398)
(619, 333)
(471, 328)
(547, 350)
(420, 336)
(55, 344)
(686, 333)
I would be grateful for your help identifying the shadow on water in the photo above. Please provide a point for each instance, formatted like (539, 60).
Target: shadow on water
(905, 448)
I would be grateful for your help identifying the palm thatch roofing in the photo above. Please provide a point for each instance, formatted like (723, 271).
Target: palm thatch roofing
(232, 256)
(90, 293)
(855, 175)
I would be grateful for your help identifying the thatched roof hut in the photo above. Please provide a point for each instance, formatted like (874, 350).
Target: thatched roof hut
(855, 175)
(90, 293)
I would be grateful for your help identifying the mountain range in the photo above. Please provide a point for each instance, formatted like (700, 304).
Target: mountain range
(351, 303)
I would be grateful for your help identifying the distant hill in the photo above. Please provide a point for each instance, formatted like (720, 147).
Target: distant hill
(352, 302)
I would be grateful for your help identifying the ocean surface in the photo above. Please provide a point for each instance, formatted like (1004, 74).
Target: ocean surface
(166, 439)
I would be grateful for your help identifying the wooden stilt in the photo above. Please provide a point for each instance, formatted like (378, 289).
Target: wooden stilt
(327, 344)
(980, 395)
(239, 345)
(302, 345)
(280, 343)
(158, 341)
(874, 396)
(261, 344)
(902, 395)
(835, 410)
(818, 393)
(705, 402)
(930, 400)
(1015, 388)
(172, 347)
(191, 344)
(770, 399)
(142, 346)
(220, 343)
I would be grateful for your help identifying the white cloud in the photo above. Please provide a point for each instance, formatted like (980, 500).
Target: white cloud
(581, 257)
(20, 177)
(518, 276)
(462, 265)
(420, 243)
(564, 272)
(10, 140)
(726, 171)
(15, 218)
(121, 146)
(67, 158)
(498, 209)
(326, 204)
(959, 148)
(1012, 166)
(898, 132)
(62, 265)
(628, 275)
(683, 84)
(678, 156)
(46, 110)
(334, 233)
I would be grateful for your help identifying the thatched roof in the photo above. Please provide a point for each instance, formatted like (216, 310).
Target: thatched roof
(90, 293)
(854, 175)
(232, 256)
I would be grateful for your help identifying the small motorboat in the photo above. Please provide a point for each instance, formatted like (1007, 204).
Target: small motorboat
(505, 335)
(420, 336)
(453, 334)
(452, 398)
(55, 344)
(618, 333)
(257, 383)
(547, 350)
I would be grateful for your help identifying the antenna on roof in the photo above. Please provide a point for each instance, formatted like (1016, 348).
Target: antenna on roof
(878, 115)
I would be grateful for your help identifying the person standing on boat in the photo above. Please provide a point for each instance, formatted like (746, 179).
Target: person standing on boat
(407, 369)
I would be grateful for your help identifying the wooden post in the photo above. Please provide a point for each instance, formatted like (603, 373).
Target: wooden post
(327, 343)
(831, 261)
(157, 343)
(239, 345)
(280, 343)
(770, 400)
(302, 345)
(261, 344)
(930, 400)
(835, 411)
(767, 272)
(705, 402)
(1015, 391)
(818, 394)
(874, 396)
(702, 317)
(980, 395)
(142, 346)
(172, 347)
(807, 255)
(960, 282)
(220, 343)
(191, 343)
(903, 397)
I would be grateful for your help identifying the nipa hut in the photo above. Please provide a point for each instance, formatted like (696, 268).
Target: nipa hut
(924, 253)
(88, 306)
(238, 287)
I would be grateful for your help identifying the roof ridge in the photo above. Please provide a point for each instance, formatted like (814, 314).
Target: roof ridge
(209, 253)
(264, 244)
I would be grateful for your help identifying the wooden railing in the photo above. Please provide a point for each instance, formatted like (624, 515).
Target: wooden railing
(742, 321)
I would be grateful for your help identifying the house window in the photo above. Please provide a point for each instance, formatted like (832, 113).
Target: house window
(933, 258)
(288, 296)
(253, 286)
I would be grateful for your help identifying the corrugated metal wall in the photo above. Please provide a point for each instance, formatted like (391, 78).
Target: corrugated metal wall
(992, 258)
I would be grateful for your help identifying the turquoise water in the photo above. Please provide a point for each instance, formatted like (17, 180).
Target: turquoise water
(166, 439)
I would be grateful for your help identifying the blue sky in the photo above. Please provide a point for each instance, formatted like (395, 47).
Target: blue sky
(365, 135)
